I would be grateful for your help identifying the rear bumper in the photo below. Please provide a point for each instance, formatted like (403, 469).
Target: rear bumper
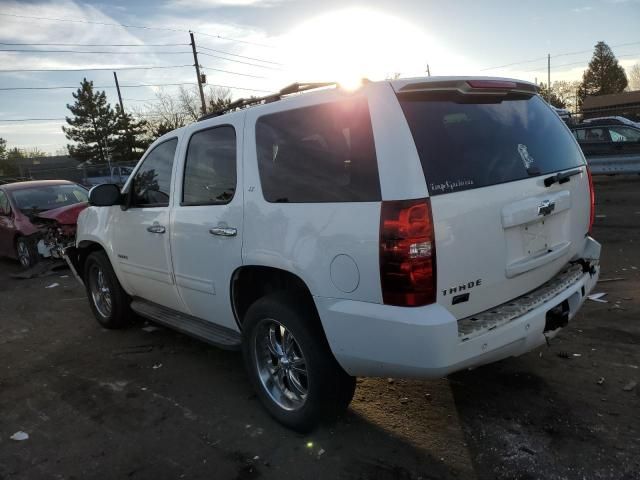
(371, 339)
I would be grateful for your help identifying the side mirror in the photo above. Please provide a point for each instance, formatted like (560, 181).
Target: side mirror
(105, 195)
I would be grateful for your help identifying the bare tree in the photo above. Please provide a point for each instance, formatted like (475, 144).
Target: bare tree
(170, 111)
(566, 92)
(634, 77)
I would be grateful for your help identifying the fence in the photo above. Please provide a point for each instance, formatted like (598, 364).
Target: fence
(87, 175)
(620, 164)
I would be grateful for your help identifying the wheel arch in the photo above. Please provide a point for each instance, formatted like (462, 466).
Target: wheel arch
(251, 282)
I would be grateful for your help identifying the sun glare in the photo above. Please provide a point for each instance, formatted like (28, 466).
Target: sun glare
(355, 43)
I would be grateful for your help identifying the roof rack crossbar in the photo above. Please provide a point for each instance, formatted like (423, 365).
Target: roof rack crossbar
(246, 102)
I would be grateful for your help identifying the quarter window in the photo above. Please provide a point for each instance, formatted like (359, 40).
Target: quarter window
(210, 169)
(323, 153)
(624, 134)
(152, 181)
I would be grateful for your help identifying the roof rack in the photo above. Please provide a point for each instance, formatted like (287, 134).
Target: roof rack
(274, 97)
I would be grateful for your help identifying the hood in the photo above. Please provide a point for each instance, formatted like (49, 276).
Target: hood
(64, 215)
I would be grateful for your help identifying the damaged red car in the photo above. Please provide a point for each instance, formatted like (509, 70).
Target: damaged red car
(38, 218)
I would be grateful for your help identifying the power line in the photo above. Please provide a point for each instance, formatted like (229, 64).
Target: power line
(515, 63)
(577, 63)
(90, 69)
(133, 86)
(558, 55)
(108, 24)
(233, 73)
(238, 61)
(240, 56)
(30, 119)
(162, 52)
(96, 44)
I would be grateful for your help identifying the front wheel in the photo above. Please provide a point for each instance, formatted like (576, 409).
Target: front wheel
(108, 301)
(26, 252)
(290, 364)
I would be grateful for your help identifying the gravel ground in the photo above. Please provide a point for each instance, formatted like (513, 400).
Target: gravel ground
(156, 405)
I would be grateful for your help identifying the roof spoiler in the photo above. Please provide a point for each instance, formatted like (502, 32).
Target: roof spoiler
(471, 86)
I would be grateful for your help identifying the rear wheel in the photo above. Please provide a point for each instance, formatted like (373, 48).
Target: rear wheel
(108, 301)
(290, 364)
(26, 252)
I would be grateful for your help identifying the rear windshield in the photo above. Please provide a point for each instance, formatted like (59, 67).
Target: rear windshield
(49, 197)
(472, 141)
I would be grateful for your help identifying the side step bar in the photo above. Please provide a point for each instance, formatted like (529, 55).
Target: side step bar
(216, 335)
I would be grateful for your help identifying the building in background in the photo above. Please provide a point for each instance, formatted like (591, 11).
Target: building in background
(626, 104)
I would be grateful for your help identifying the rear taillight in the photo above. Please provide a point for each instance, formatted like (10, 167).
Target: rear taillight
(592, 200)
(407, 253)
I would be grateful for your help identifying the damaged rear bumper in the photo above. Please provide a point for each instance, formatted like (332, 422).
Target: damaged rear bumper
(370, 339)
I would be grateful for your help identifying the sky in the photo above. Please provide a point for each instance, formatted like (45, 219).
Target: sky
(257, 46)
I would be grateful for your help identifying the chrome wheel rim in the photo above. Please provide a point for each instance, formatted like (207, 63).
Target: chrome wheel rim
(100, 291)
(281, 365)
(23, 254)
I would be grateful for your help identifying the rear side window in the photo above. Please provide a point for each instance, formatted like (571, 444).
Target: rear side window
(624, 134)
(473, 141)
(596, 135)
(210, 169)
(323, 153)
(152, 182)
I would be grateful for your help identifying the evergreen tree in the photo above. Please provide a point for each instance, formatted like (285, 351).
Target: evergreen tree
(604, 75)
(129, 142)
(3, 149)
(93, 125)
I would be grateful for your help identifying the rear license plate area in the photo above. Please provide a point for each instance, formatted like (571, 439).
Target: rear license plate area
(534, 238)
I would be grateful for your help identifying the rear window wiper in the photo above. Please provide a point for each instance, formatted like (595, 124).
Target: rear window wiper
(562, 177)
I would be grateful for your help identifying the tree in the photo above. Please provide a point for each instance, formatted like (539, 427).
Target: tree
(218, 98)
(634, 77)
(129, 141)
(93, 125)
(604, 74)
(551, 96)
(3, 149)
(169, 112)
(10, 166)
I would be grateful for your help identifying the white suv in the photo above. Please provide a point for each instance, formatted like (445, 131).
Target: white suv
(409, 228)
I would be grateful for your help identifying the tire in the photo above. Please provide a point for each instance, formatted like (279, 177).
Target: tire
(298, 401)
(108, 301)
(26, 252)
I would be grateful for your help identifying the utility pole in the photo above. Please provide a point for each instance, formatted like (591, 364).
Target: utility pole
(195, 59)
(549, 73)
(115, 76)
(428, 71)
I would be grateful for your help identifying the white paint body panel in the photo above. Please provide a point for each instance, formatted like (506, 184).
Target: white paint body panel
(204, 263)
(493, 233)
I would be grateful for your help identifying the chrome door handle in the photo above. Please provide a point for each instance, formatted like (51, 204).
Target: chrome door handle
(223, 231)
(156, 229)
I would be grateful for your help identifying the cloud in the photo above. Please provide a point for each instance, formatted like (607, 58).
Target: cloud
(203, 4)
(583, 9)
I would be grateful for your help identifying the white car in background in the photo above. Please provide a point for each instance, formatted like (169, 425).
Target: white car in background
(409, 228)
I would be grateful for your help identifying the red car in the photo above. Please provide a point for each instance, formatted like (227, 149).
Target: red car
(38, 218)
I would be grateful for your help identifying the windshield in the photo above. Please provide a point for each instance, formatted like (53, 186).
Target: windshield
(469, 141)
(49, 197)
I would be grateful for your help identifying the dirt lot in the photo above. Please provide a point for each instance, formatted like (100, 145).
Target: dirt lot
(156, 405)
